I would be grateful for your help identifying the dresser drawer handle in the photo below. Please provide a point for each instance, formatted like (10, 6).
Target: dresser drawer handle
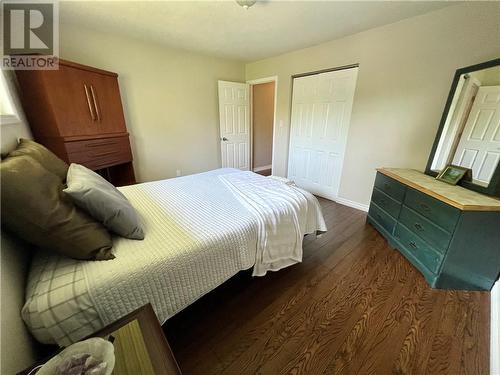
(387, 186)
(413, 245)
(418, 226)
(107, 153)
(109, 143)
(425, 207)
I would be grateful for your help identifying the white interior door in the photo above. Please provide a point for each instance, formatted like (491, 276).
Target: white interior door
(479, 147)
(321, 113)
(234, 112)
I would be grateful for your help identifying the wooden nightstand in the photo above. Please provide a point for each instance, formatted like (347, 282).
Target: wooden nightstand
(140, 345)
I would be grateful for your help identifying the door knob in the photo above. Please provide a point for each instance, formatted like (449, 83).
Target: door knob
(224, 139)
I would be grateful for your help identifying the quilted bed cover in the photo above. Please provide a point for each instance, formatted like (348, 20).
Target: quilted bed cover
(199, 233)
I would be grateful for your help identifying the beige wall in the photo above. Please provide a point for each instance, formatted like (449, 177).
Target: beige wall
(263, 119)
(169, 97)
(405, 73)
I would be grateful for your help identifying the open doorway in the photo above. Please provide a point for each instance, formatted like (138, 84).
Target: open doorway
(263, 107)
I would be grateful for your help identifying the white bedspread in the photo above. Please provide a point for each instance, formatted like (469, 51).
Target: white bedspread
(198, 235)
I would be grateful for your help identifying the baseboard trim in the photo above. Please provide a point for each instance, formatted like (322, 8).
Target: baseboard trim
(265, 167)
(349, 203)
(495, 329)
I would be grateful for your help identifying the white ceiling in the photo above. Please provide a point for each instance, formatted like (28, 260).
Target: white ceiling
(224, 29)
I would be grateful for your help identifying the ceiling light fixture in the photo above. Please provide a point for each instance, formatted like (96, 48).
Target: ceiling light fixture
(246, 3)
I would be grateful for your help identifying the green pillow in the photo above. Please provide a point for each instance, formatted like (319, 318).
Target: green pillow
(35, 209)
(42, 155)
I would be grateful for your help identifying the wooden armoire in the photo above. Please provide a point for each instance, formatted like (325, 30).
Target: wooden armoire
(76, 112)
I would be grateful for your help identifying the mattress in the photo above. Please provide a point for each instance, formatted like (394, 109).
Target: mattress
(198, 235)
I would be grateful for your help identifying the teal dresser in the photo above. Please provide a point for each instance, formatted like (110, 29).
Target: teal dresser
(450, 234)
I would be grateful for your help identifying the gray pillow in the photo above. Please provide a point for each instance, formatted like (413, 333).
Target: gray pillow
(103, 201)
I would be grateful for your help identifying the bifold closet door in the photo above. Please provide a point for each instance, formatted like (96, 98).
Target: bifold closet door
(321, 113)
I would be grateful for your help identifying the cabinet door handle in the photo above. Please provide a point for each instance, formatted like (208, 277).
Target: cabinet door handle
(418, 226)
(91, 110)
(95, 103)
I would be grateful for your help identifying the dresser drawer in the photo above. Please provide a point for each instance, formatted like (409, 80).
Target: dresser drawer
(382, 218)
(385, 202)
(390, 187)
(99, 153)
(436, 211)
(425, 229)
(418, 248)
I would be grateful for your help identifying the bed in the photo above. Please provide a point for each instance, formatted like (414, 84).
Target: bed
(200, 231)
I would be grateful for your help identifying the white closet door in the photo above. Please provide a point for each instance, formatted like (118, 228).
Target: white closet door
(479, 147)
(321, 113)
(234, 112)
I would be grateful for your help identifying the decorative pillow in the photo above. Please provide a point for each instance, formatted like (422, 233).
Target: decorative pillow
(103, 201)
(35, 209)
(45, 157)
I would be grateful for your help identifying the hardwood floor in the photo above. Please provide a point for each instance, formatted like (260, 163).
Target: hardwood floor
(265, 172)
(353, 306)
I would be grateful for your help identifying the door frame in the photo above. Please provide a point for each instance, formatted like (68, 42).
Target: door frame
(252, 83)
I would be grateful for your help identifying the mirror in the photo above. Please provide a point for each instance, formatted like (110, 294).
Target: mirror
(469, 133)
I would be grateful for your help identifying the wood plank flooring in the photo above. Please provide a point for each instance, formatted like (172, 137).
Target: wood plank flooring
(353, 306)
(265, 172)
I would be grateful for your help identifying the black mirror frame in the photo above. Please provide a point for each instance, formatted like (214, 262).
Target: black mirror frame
(493, 188)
